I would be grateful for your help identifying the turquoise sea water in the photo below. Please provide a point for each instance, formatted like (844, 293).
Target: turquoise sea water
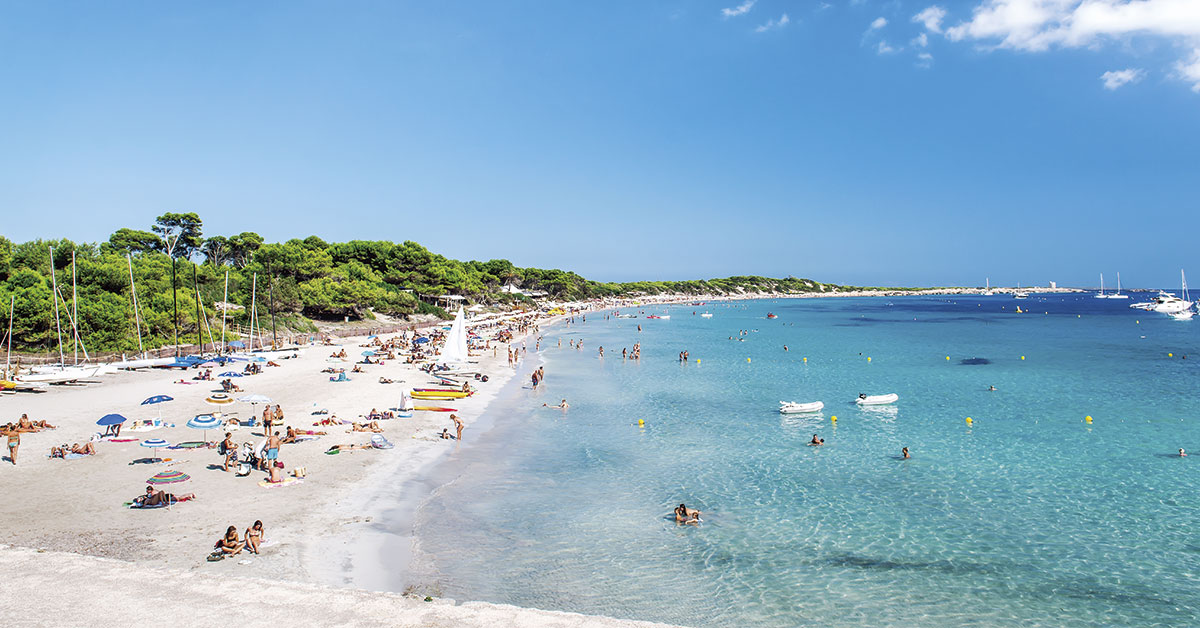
(1029, 517)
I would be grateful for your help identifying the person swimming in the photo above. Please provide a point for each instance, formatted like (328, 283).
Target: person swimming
(816, 442)
(687, 516)
(1182, 453)
(905, 452)
(991, 388)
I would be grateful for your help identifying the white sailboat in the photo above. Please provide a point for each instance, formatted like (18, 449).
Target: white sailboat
(987, 290)
(1101, 295)
(1020, 294)
(1117, 294)
(455, 349)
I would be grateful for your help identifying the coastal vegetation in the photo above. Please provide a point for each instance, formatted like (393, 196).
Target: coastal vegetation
(290, 284)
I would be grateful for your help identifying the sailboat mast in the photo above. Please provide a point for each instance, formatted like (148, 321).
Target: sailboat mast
(133, 290)
(196, 287)
(253, 307)
(12, 301)
(224, 310)
(54, 296)
(271, 309)
(74, 309)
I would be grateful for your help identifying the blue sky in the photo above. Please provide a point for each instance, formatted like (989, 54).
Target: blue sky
(881, 143)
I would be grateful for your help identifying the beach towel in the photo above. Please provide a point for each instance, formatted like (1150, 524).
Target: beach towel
(307, 437)
(121, 440)
(137, 506)
(69, 456)
(191, 445)
(285, 482)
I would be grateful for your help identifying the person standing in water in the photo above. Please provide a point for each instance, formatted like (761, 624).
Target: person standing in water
(905, 452)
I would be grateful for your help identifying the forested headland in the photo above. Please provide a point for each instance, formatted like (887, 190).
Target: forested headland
(299, 281)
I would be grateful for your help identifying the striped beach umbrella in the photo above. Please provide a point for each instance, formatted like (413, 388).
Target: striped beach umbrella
(204, 422)
(230, 374)
(219, 399)
(155, 444)
(169, 477)
(368, 353)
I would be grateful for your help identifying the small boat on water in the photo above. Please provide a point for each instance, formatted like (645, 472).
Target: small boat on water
(792, 407)
(664, 317)
(877, 400)
(770, 315)
(706, 315)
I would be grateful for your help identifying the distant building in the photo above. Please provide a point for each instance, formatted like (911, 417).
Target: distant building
(1053, 285)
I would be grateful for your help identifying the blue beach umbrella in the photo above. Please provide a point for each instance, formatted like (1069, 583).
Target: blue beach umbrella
(368, 353)
(111, 419)
(422, 340)
(155, 444)
(230, 374)
(204, 422)
(157, 399)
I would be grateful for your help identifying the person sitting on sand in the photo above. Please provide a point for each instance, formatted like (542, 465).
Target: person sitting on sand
(26, 425)
(372, 426)
(357, 369)
(230, 544)
(385, 380)
(276, 472)
(816, 442)
(159, 498)
(445, 435)
(254, 537)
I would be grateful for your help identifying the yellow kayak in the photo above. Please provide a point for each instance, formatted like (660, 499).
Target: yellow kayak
(439, 395)
(7, 385)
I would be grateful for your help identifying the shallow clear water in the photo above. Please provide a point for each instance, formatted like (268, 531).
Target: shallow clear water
(1028, 517)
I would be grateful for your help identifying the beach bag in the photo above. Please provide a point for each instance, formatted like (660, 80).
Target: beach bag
(300, 472)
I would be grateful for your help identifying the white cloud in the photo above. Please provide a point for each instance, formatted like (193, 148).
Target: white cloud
(773, 23)
(1190, 70)
(1116, 78)
(740, 9)
(885, 49)
(921, 40)
(931, 17)
(878, 24)
(924, 60)
(1039, 25)
(823, 6)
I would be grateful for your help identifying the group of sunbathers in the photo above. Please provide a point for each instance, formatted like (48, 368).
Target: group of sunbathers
(231, 544)
(24, 424)
(86, 449)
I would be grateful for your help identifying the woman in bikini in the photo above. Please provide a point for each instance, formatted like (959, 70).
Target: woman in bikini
(230, 543)
(14, 441)
(254, 537)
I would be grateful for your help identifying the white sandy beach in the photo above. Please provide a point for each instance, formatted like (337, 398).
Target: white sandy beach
(320, 530)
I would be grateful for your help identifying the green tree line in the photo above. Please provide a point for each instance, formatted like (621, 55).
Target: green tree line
(299, 280)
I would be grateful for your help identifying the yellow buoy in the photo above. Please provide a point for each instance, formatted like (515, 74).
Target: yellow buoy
(747, 359)
(833, 418)
(1170, 355)
(1022, 357)
(868, 358)
(947, 358)
(969, 421)
(697, 360)
(641, 423)
(806, 360)
(1087, 419)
